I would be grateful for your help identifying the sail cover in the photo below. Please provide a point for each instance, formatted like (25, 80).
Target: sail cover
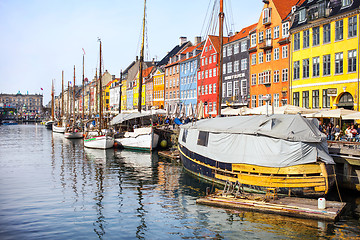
(270, 141)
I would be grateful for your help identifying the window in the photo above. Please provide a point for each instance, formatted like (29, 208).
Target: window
(206, 74)
(326, 99)
(210, 73)
(253, 40)
(253, 101)
(224, 68)
(260, 100)
(296, 70)
(261, 57)
(338, 63)
(296, 99)
(266, 15)
(214, 89)
(253, 59)
(305, 100)
(296, 41)
(352, 61)
(276, 54)
(261, 37)
(316, 36)
(326, 65)
(346, 3)
(224, 52)
(236, 66)
(214, 106)
(243, 46)
(203, 138)
(285, 29)
(276, 76)
(306, 68)
(285, 73)
(236, 88)
(268, 55)
(327, 33)
(261, 78)
(284, 51)
(253, 79)
(352, 31)
(229, 89)
(206, 89)
(229, 50)
(302, 15)
(229, 67)
(315, 99)
(316, 66)
(224, 89)
(276, 32)
(276, 100)
(210, 88)
(244, 64)
(306, 38)
(236, 48)
(199, 90)
(339, 30)
(206, 61)
(243, 87)
(214, 72)
(214, 58)
(267, 77)
(268, 35)
(210, 60)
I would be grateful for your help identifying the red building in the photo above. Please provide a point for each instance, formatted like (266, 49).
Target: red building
(208, 75)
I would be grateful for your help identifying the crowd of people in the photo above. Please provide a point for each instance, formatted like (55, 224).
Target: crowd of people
(349, 132)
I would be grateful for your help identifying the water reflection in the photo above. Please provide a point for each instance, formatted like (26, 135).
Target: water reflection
(63, 191)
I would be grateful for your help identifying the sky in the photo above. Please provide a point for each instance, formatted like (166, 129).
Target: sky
(40, 38)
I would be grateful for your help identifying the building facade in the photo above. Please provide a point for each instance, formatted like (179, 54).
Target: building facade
(325, 46)
(158, 88)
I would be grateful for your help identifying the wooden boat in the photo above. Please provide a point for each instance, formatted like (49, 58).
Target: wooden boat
(100, 139)
(285, 152)
(11, 122)
(140, 139)
(73, 135)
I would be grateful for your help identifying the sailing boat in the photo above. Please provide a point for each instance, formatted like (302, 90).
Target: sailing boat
(74, 131)
(142, 138)
(49, 124)
(283, 152)
(102, 138)
(60, 126)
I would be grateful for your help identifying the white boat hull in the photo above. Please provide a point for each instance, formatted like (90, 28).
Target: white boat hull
(146, 141)
(73, 135)
(99, 142)
(58, 129)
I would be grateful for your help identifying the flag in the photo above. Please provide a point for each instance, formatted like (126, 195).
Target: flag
(83, 50)
(41, 89)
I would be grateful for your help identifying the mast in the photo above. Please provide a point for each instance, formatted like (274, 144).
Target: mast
(120, 85)
(68, 101)
(141, 61)
(96, 94)
(52, 100)
(62, 97)
(83, 87)
(221, 26)
(100, 93)
(74, 99)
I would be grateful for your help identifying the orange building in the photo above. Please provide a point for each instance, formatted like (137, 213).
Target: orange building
(270, 53)
(158, 88)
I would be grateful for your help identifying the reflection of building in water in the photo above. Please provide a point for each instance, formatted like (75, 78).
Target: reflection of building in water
(168, 177)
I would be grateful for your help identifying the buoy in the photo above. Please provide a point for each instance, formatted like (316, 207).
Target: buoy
(321, 203)
(163, 143)
(115, 144)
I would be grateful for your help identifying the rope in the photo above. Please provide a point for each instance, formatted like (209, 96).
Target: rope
(337, 186)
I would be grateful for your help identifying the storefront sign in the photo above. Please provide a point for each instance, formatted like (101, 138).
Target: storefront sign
(332, 92)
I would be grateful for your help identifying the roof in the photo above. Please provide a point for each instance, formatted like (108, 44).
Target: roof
(172, 53)
(216, 41)
(147, 71)
(243, 33)
(284, 7)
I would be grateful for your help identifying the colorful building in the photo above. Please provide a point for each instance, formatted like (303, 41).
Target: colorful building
(158, 88)
(236, 69)
(324, 55)
(269, 54)
(207, 79)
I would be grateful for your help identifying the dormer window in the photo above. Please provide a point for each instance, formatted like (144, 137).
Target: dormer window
(302, 15)
(187, 55)
(267, 16)
(346, 3)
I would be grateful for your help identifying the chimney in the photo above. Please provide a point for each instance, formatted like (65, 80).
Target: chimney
(137, 58)
(197, 40)
(183, 40)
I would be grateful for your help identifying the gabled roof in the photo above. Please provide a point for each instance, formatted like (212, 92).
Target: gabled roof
(147, 71)
(216, 41)
(284, 7)
(243, 33)
(172, 53)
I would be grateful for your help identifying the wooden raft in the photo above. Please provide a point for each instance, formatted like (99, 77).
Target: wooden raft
(287, 206)
(175, 155)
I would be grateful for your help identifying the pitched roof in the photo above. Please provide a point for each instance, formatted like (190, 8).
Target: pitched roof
(284, 7)
(170, 54)
(216, 41)
(243, 33)
(147, 71)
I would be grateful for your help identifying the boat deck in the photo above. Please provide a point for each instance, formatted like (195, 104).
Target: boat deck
(288, 206)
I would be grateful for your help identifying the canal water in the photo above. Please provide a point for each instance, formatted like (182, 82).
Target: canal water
(53, 188)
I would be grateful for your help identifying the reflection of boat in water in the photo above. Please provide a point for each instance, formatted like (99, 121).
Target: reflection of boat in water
(286, 152)
(74, 134)
(11, 122)
(136, 159)
(99, 155)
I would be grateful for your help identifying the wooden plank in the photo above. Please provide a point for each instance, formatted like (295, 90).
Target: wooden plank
(298, 169)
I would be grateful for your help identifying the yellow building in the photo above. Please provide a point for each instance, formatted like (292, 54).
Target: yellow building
(136, 93)
(106, 95)
(324, 55)
(123, 97)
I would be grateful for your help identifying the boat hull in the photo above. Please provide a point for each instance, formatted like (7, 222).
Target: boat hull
(58, 129)
(145, 142)
(74, 135)
(99, 142)
(310, 180)
(49, 124)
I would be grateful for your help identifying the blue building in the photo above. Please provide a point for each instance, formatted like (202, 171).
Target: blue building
(188, 76)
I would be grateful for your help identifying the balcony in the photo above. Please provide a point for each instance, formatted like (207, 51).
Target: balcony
(266, 21)
(266, 44)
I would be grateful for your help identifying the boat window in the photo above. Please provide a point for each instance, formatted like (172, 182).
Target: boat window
(203, 138)
(184, 136)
